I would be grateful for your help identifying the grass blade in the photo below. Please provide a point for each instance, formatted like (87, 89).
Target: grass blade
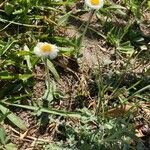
(13, 118)
(52, 69)
(50, 111)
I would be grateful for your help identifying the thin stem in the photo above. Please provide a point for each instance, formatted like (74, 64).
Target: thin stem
(121, 77)
(100, 87)
(85, 30)
(47, 76)
(21, 24)
(139, 91)
(44, 116)
(88, 22)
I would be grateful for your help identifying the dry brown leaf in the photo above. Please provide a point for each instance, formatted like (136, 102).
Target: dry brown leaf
(139, 133)
(120, 111)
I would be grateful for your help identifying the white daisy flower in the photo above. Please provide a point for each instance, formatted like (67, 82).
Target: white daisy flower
(94, 4)
(44, 49)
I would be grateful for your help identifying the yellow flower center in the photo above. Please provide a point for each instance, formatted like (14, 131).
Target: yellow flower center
(95, 2)
(46, 48)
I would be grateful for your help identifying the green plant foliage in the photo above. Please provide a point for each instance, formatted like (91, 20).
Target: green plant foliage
(4, 141)
(13, 118)
(134, 6)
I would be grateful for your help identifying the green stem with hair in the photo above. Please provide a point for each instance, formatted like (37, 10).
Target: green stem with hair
(84, 32)
(47, 76)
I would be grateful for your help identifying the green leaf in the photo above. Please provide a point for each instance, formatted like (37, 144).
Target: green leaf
(63, 41)
(24, 77)
(67, 50)
(134, 6)
(8, 8)
(51, 92)
(148, 4)
(27, 58)
(78, 40)
(48, 95)
(2, 136)
(116, 7)
(52, 111)
(13, 118)
(52, 69)
(114, 36)
(23, 53)
(7, 47)
(64, 18)
(10, 146)
(126, 48)
(6, 76)
(2, 117)
(17, 12)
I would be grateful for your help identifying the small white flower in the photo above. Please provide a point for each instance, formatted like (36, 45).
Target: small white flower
(44, 49)
(94, 4)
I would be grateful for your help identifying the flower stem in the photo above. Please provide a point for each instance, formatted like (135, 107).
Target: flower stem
(47, 76)
(88, 22)
(85, 30)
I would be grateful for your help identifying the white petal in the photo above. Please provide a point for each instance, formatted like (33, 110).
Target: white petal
(37, 51)
(100, 5)
(52, 54)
